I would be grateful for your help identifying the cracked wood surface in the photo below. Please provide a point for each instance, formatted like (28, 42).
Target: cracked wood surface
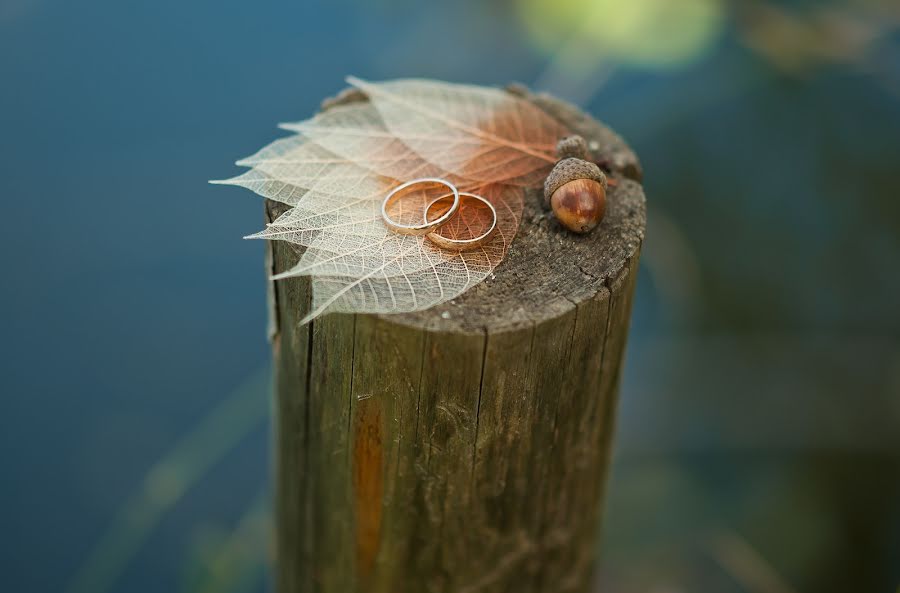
(464, 448)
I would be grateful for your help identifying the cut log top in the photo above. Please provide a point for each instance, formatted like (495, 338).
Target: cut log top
(548, 270)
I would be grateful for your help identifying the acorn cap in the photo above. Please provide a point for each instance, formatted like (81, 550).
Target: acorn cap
(572, 146)
(568, 170)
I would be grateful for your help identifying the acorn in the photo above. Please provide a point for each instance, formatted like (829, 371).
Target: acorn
(576, 187)
(572, 146)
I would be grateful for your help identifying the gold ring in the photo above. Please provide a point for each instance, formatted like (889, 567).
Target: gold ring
(427, 226)
(463, 244)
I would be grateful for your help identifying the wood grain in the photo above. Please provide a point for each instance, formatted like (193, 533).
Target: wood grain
(465, 448)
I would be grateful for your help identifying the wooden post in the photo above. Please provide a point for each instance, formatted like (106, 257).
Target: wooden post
(465, 448)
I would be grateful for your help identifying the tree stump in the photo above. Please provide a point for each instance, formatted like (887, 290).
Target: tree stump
(464, 448)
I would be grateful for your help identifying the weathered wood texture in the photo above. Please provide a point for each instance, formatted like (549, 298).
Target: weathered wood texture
(465, 448)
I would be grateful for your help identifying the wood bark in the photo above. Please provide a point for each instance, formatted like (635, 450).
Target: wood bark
(464, 448)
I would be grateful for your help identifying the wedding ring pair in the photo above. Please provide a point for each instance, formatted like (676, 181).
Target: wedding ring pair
(430, 228)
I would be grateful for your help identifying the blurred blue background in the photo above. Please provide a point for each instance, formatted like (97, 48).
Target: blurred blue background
(759, 436)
